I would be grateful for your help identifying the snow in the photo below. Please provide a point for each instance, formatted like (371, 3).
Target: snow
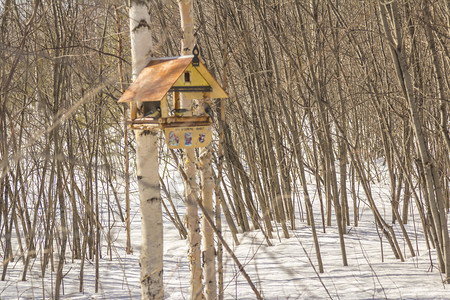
(286, 270)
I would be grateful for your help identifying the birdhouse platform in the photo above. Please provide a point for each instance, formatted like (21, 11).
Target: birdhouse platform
(141, 123)
(155, 98)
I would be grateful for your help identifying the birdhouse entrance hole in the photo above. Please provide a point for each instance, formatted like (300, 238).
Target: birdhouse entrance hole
(187, 77)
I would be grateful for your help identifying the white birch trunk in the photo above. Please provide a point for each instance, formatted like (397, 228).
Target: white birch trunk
(194, 237)
(209, 252)
(187, 25)
(151, 259)
(191, 187)
(140, 35)
(151, 254)
(187, 43)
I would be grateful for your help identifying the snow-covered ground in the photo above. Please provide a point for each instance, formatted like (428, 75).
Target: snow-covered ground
(287, 270)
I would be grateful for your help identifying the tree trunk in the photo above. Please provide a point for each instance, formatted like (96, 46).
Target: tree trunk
(208, 233)
(194, 237)
(151, 257)
(191, 190)
(327, 142)
(433, 186)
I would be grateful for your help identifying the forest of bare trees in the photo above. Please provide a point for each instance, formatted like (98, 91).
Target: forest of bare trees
(333, 89)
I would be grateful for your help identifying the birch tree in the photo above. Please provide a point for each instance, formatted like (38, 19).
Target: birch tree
(191, 187)
(151, 257)
(207, 186)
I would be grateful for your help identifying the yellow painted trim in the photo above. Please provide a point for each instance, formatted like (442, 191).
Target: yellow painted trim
(200, 76)
(196, 78)
(217, 90)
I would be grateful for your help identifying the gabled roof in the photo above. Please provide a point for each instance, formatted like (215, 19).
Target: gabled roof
(161, 74)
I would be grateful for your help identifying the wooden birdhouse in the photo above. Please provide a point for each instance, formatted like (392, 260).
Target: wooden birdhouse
(159, 92)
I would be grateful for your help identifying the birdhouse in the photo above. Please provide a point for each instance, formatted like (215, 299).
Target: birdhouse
(174, 94)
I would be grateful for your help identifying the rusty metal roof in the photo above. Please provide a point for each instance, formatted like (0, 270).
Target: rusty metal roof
(158, 77)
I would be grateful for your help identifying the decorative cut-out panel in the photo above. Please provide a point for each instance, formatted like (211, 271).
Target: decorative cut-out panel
(188, 137)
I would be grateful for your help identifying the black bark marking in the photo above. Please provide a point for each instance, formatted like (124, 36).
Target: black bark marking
(153, 199)
(148, 278)
(147, 132)
(142, 24)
